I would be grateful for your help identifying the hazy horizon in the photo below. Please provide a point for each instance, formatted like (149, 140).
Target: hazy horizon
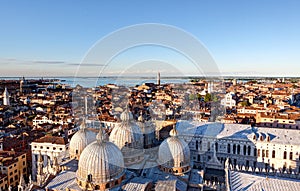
(249, 38)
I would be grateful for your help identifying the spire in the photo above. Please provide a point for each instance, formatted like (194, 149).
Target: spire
(6, 97)
(126, 116)
(141, 118)
(85, 107)
(173, 132)
(101, 137)
(158, 78)
(40, 157)
(227, 163)
(83, 124)
(22, 183)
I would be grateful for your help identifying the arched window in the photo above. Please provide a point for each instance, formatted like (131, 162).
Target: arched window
(273, 154)
(245, 150)
(249, 150)
(216, 147)
(255, 152)
(234, 149)
(196, 145)
(238, 149)
(284, 155)
(228, 148)
(291, 155)
(254, 137)
(90, 178)
(268, 138)
(258, 152)
(200, 145)
(261, 138)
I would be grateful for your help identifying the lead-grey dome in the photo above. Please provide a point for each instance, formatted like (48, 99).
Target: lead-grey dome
(174, 154)
(80, 140)
(100, 163)
(129, 138)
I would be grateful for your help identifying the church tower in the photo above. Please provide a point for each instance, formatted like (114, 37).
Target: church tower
(158, 78)
(6, 97)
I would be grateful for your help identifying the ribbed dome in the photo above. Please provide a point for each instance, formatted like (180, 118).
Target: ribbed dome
(126, 115)
(80, 140)
(129, 138)
(174, 152)
(128, 133)
(101, 161)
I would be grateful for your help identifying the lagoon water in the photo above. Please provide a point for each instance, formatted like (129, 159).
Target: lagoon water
(94, 81)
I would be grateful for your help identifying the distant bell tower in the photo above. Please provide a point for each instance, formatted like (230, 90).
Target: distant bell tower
(6, 97)
(22, 82)
(158, 78)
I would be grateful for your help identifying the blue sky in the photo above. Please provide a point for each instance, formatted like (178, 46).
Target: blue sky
(245, 37)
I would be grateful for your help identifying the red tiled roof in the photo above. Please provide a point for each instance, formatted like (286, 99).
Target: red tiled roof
(51, 139)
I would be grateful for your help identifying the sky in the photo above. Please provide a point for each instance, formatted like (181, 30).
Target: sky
(244, 37)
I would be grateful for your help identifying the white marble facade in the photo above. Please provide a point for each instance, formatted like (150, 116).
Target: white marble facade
(244, 145)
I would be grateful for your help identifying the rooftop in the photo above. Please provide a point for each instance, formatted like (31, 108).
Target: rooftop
(252, 182)
(237, 131)
(51, 139)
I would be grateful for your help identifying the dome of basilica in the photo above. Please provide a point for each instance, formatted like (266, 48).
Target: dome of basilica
(80, 140)
(174, 154)
(129, 138)
(100, 166)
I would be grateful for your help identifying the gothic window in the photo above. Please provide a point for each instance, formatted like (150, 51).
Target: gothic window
(90, 178)
(234, 149)
(284, 155)
(228, 148)
(200, 145)
(261, 138)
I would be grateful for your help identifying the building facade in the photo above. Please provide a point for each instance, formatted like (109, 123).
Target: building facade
(49, 147)
(245, 146)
